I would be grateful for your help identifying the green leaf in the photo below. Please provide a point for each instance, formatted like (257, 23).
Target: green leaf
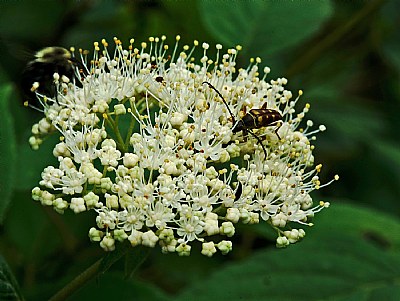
(335, 262)
(350, 124)
(355, 122)
(9, 290)
(43, 20)
(345, 219)
(26, 228)
(7, 150)
(265, 27)
(389, 154)
(33, 168)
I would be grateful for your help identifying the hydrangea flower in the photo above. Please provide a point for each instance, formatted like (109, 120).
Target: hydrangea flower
(147, 144)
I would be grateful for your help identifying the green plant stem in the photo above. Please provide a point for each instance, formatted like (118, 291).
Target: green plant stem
(115, 129)
(136, 257)
(78, 282)
(130, 131)
(310, 56)
(82, 279)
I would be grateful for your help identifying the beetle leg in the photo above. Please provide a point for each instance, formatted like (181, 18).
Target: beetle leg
(259, 141)
(277, 128)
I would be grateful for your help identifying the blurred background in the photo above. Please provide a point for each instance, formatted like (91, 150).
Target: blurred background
(344, 55)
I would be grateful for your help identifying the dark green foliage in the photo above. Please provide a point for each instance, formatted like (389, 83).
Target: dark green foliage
(8, 158)
(344, 55)
(9, 290)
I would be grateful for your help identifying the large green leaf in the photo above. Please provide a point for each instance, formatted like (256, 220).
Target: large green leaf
(9, 290)
(7, 150)
(338, 261)
(265, 27)
(358, 222)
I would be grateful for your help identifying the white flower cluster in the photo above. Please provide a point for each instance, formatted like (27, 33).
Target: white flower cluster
(149, 146)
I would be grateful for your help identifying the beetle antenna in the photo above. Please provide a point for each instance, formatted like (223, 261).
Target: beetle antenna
(220, 95)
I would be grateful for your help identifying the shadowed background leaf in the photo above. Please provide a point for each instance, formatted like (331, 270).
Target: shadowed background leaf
(335, 262)
(8, 158)
(343, 55)
(9, 290)
(264, 28)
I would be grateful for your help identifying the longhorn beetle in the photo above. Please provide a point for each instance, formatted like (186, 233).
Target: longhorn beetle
(254, 119)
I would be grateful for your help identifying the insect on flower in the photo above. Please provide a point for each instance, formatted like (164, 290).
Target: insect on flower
(254, 119)
(41, 70)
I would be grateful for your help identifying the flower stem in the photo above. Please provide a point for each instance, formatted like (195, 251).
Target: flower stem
(78, 282)
(100, 266)
(130, 131)
(114, 127)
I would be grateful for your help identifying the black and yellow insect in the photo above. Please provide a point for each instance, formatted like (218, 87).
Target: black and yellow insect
(254, 119)
(48, 61)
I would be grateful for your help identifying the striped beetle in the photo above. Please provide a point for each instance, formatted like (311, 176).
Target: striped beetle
(254, 119)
